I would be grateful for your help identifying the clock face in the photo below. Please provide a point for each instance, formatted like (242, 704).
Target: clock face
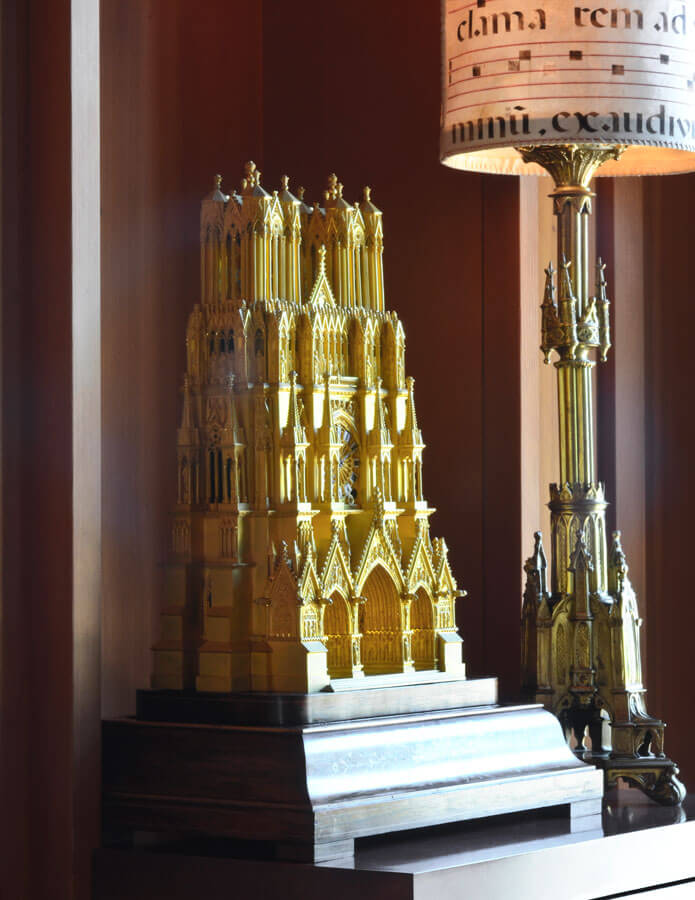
(348, 467)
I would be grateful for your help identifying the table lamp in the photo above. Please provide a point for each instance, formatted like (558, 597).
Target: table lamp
(577, 91)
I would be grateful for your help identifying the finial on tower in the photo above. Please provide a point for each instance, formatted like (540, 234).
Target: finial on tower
(603, 304)
(218, 182)
(549, 314)
(565, 281)
(600, 275)
(617, 565)
(322, 259)
(536, 567)
(252, 177)
(285, 182)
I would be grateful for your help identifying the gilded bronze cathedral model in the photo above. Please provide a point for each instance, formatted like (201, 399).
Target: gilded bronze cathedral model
(300, 549)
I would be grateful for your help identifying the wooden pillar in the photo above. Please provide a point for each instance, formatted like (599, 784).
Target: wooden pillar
(51, 448)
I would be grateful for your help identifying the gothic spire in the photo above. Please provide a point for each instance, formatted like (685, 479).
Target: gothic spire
(411, 432)
(294, 430)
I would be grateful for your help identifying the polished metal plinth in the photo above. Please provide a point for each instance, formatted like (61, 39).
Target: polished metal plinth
(312, 789)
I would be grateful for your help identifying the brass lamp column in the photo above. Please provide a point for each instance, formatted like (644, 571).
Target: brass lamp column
(576, 326)
(581, 652)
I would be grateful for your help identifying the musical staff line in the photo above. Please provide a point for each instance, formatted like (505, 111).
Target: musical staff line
(529, 45)
(544, 84)
(451, 109)
(568, 69)
(486, 62)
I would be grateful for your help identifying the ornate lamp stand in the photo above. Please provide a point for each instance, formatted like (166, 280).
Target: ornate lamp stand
(581, 649)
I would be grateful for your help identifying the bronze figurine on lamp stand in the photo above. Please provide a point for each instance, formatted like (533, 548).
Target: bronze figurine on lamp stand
(580, 634)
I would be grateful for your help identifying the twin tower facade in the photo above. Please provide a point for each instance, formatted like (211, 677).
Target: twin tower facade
(300, 544)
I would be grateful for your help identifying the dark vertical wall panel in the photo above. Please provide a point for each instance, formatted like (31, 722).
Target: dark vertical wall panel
(50, 601)
(501, 432)
(670, 323)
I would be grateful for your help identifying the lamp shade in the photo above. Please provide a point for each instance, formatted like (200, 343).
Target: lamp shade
(528, 72)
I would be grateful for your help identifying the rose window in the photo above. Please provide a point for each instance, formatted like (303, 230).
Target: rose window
(348, 467)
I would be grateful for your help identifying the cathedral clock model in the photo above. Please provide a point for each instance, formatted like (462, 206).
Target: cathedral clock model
(300, 551)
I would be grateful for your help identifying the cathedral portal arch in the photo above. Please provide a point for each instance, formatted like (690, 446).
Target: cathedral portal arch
(422, 625)
(382, 624)
(337, 636)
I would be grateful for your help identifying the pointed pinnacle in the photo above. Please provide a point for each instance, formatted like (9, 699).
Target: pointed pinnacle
(581, 554)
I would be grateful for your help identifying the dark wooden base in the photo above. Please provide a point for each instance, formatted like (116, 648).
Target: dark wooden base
(350, 699)
(312, 789)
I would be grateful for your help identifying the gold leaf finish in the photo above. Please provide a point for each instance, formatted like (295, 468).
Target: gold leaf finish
(300, 514)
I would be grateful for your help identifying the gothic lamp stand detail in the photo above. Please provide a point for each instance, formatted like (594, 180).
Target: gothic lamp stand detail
(581, 649)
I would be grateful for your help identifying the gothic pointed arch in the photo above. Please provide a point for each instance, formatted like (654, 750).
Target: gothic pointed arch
(335, 572)
(378, 550)
(388, 355)
(420, 573)
(337, 636)
(381, 623)
(422, 625)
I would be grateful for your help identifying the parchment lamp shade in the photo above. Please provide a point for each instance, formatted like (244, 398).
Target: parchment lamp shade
(524, 72)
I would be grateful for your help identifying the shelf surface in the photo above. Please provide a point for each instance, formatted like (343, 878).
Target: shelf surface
(640, 847)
